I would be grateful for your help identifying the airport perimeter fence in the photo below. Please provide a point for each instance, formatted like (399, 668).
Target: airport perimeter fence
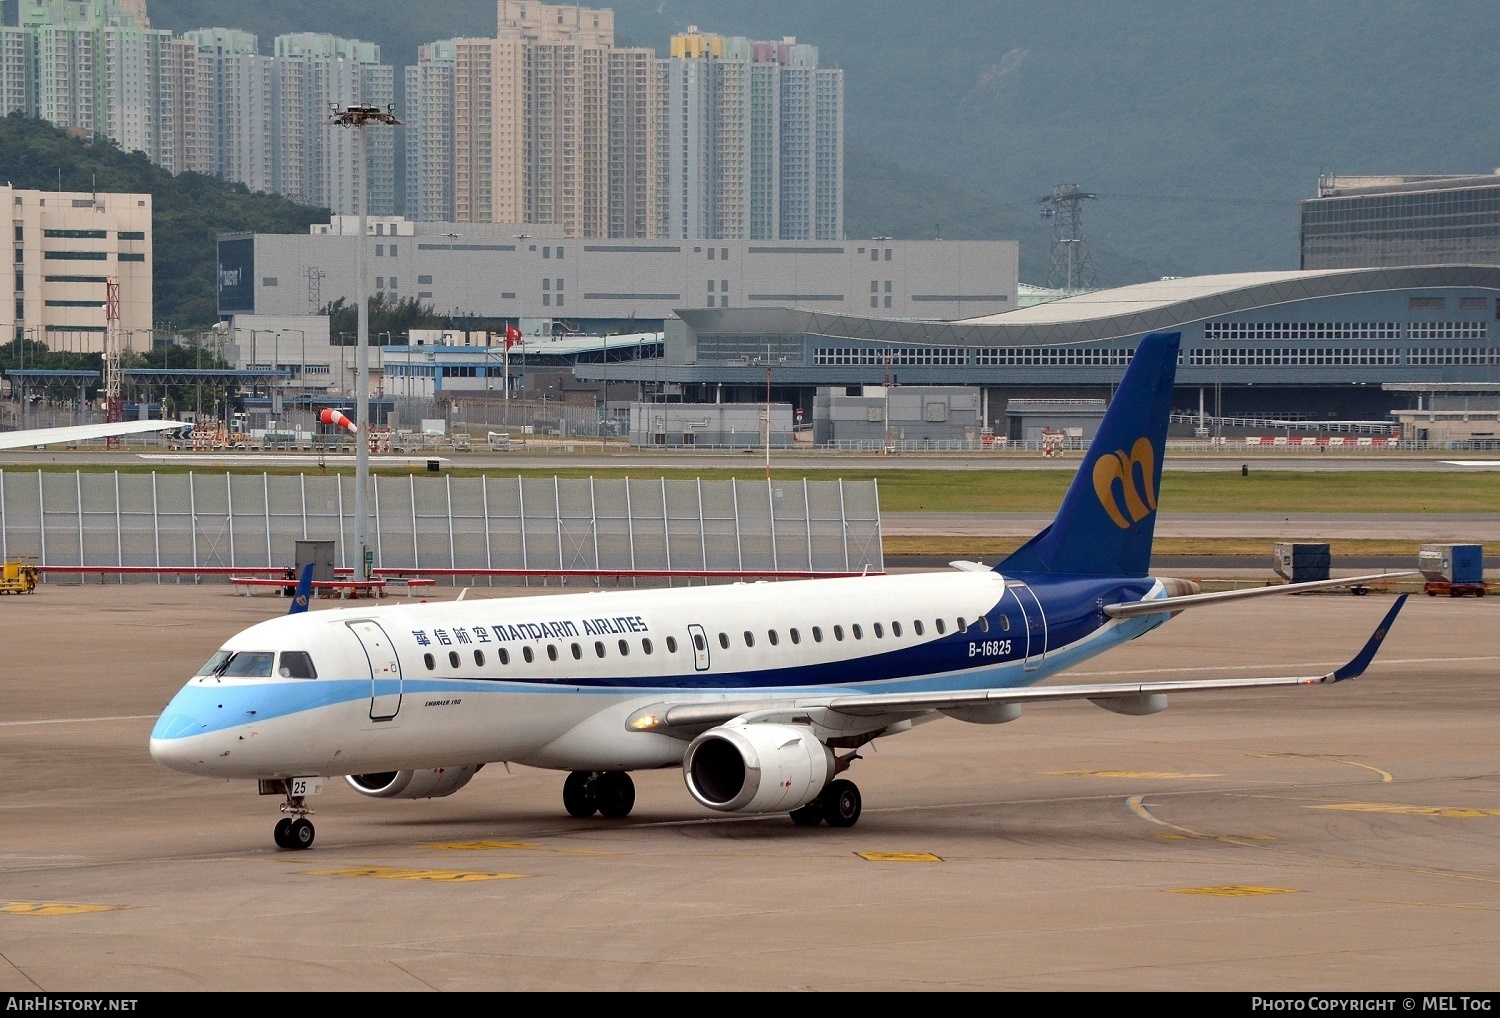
(199, 527)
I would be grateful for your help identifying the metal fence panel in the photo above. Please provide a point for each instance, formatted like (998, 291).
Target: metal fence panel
(194, 521)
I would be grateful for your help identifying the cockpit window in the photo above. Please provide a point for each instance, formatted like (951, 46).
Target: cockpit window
(296, 664)
(214, 663)
(246, 664)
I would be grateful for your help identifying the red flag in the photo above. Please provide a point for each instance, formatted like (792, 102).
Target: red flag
(512, 334)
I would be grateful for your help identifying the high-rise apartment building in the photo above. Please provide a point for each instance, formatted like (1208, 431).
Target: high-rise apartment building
(548, 122)
(755, 140)
(313, 162)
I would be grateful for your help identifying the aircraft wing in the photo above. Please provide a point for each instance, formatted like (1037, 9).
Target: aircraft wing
(1175, 604)
(1123, 698)
(81, 433)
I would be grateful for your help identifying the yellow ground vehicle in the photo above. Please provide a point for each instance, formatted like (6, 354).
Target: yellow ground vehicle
(18, 577)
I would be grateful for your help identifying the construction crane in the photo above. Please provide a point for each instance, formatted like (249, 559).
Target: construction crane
(1072, 269)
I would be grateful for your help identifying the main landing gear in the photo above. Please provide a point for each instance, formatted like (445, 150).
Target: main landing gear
(611, 794)
(296, 831)
(839, 804)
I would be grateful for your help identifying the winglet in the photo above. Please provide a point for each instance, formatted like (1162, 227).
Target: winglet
(304, 590)
(1356, 667)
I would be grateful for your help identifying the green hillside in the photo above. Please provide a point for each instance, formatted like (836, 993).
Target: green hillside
(188, 211)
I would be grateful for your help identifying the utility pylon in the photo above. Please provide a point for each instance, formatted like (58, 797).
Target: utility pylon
(1072, 269)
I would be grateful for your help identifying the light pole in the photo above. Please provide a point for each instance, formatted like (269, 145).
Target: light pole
(360, 116)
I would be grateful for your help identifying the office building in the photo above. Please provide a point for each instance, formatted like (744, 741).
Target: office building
(67, 247)
(1365, 222)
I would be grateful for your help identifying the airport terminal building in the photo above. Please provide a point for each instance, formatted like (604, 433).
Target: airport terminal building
(1299, 345)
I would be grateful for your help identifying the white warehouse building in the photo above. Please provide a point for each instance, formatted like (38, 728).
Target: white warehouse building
(495, 271)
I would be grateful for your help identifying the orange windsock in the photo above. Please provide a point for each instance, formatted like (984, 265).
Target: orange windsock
(338, 417)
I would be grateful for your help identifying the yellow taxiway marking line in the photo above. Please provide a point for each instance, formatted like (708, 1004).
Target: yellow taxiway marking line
(1426, 811)
(55, 908)
(1124, 774)
(1385, 776)
(397, 873)
(898, 857)
(1233, 890)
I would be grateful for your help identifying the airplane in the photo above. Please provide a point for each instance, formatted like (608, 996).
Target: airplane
(763, 693)
(81, 433)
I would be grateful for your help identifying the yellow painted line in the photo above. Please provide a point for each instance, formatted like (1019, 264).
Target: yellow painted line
(1124, 774)
(898, 857)
(396, 873)
(1385, 776)
(55, 908)
(1233, 890)
(1425, 811)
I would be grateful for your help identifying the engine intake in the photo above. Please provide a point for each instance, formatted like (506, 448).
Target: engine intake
(429, 783)
(757, 768)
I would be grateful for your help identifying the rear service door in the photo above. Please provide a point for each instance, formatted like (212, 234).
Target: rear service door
(385, 669)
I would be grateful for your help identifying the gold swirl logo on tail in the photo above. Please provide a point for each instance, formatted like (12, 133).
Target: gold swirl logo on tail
(1119, 466)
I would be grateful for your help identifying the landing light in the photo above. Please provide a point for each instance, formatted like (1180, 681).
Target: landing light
(645, 722)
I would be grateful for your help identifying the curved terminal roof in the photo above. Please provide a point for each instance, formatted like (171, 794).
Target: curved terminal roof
(1103, 314)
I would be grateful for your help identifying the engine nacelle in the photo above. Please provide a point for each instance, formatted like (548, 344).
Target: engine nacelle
(757, 768)
(1138, 706)
(430, 783)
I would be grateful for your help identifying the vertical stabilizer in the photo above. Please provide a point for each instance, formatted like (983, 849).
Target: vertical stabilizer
(303, 595)
(1107, 519)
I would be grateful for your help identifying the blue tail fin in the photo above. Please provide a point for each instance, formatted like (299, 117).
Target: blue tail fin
(304, 590)
(1106, 521)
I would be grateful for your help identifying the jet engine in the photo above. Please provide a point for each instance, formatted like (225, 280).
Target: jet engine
(757, 768)
(430, 783)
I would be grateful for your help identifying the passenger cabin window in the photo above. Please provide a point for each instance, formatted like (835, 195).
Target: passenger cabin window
(879, 631)
(645, 646)
(624, 647)
(724, 640)
(577, 652)
(453, 658)
(895, 629)
(796, 636)
(551, 652)
(817, 632)
(749, 638)
(771, 635)
(427, 659)
(859, 634)
(671, 645)
(479, 658)
(504, 656)
(598, 648)
(838, 632)
(962, 625)
(527, 654)
(983, 623)
(1005, 623)
(941, 627)
(296, 664)
(916, 626)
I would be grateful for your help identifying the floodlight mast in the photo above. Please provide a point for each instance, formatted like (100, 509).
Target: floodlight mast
(360, 116)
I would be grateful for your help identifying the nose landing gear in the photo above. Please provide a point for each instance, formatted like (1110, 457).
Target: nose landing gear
(293, 831)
